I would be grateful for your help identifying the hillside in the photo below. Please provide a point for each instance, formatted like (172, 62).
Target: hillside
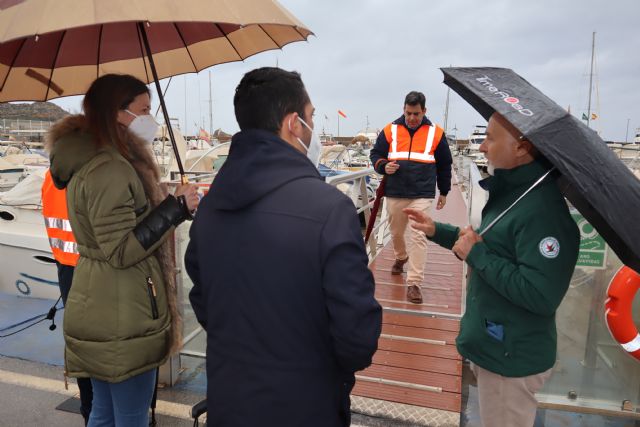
(46, 111)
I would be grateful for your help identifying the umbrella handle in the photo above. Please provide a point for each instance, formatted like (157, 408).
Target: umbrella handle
(184, 179)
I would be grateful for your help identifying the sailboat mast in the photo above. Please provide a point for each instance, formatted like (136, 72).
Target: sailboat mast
(446, 112)
(210, 107)
(185, 132)
(593, 48)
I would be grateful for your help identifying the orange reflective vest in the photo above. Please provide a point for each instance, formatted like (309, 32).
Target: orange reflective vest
(420, 149)
(56, 220)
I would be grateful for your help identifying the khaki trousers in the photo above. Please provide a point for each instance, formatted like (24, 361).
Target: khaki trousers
(506, 401)
(417, 250)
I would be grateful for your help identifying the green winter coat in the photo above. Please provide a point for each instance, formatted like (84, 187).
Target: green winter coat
(518, 274)
(111, 329)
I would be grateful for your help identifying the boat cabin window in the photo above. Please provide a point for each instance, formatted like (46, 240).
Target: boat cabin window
(7, 216)
(45, 259)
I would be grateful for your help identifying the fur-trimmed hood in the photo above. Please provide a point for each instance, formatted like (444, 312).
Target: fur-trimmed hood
(70, 147)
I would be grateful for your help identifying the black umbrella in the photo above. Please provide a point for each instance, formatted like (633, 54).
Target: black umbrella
(596, 182)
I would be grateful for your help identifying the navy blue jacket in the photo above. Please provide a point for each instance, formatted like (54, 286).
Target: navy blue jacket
(414, 180)
(283, 289)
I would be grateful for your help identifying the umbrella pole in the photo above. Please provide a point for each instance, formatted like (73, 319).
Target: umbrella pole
(165, 113)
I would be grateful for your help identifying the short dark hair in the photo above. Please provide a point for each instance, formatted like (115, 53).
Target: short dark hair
(106, 96)
(415, 98)
(265, 95)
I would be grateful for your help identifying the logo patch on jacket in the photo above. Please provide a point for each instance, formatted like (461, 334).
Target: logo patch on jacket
(549, 247)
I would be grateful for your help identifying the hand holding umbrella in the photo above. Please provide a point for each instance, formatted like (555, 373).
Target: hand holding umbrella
(190, 193)
(466, 239)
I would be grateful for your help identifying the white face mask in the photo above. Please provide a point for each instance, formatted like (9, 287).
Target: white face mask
(315, 146)
(144, 126)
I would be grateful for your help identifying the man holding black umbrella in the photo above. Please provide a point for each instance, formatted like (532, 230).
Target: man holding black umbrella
(520, 271)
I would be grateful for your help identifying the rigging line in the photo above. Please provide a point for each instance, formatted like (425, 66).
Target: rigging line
(44, 315)
(51, 314)
(25, 328)
(164, 94)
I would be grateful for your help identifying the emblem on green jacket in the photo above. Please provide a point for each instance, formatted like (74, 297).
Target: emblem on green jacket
(549, 247)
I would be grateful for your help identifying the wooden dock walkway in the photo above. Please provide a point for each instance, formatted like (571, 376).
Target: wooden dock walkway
(416, 374)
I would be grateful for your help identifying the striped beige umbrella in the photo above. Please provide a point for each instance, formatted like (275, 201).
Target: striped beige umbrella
(54, 48)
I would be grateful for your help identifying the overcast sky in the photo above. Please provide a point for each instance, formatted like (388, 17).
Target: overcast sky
(366, 55)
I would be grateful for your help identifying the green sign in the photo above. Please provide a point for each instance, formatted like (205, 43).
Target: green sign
(593, 248)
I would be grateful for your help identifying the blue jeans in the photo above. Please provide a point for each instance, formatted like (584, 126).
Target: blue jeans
(123, 404)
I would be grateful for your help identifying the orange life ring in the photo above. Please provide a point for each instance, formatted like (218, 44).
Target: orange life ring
(618, 313)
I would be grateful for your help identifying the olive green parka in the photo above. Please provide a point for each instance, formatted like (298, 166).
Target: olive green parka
(121, 317)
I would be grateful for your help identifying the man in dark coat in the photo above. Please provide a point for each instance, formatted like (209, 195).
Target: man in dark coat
(281, 283)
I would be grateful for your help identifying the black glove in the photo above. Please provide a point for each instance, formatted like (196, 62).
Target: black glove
(171, 212)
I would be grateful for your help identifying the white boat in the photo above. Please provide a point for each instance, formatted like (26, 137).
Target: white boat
(208, 160)
(28, 268)
(16, 162)
(478, 135)
(10, 174)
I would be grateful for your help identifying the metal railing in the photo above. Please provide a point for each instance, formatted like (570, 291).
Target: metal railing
(357, 190)
(359, 194)
(476, 196)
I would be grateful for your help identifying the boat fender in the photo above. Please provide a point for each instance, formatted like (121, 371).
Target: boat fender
(618, 311)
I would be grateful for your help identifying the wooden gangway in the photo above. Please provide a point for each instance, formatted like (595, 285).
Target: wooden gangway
(416, 373)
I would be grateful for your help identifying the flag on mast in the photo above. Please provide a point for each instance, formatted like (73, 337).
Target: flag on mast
(342, 114)
(203, 134)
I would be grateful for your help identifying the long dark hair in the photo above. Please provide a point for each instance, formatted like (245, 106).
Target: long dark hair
(107, 95)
